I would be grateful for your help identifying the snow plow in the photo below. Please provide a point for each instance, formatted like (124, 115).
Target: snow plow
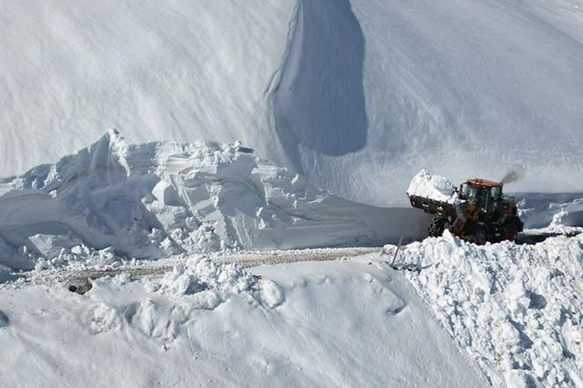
(477, 211)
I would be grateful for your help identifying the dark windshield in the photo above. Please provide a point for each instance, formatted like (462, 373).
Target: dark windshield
(472, 194)
(496, 192)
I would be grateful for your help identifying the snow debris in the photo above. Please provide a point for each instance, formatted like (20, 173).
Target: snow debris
(78, 256)
(104, 319)
(516, 309)
(201, 273)
(433, 186)
(271, 293)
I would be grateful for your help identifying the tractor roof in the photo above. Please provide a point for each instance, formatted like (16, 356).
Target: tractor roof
(483, 183)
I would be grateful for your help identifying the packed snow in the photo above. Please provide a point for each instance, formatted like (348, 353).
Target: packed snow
(235, 231)
(162, 199)
(434, 187)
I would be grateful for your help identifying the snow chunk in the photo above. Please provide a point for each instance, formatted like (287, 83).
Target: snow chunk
(104, 319)
(433, 186)
(201, 273)
(271, 293)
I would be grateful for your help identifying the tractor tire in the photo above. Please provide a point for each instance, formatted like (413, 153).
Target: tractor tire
(510, 230)
(438, 225)
(478, 235)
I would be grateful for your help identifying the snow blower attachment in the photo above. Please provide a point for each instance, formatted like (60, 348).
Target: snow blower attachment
(476, 212)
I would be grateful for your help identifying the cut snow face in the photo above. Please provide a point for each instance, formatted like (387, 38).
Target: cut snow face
(112, 201)
(358, 94)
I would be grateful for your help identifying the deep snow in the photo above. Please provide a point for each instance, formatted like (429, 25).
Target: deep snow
(356, 95)
(162, 199)
(265, 125)
(150, 224)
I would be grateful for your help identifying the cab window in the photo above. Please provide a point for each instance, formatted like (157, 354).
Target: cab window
(496, 192)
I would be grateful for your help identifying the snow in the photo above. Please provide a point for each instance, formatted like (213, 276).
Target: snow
(357, 96)
(152, 225)
(162, 199)
(515, 308)
(234, 230)
(303, 325)
(433, 186)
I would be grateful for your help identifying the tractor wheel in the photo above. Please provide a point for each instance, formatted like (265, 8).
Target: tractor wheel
(438, 225)
(510, 231)
(478, 235)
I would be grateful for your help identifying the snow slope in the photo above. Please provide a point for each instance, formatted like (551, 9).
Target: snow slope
(180, 71)
(356, 95)
(295, 325)
(335, 96)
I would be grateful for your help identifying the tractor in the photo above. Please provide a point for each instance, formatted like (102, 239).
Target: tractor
(481, 214)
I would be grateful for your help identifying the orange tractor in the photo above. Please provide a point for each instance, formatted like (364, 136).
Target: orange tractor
(482, 213)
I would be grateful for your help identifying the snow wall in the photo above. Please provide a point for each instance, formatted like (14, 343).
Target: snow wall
(164, 199)
(357, 95)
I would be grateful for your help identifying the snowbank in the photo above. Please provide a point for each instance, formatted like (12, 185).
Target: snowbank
(517, 309)
(112, 201)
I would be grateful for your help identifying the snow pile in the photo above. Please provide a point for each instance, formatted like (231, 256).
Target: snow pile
(433, 187)
(201, 273)
(161, 199)
(517, 309)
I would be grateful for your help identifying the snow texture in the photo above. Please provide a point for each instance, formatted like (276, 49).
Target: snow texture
(256, 129)
(112, 201)
(433, 187)
(515, 308)
(356, 95)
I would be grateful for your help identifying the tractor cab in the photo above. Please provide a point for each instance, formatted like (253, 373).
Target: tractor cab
(483, 194)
